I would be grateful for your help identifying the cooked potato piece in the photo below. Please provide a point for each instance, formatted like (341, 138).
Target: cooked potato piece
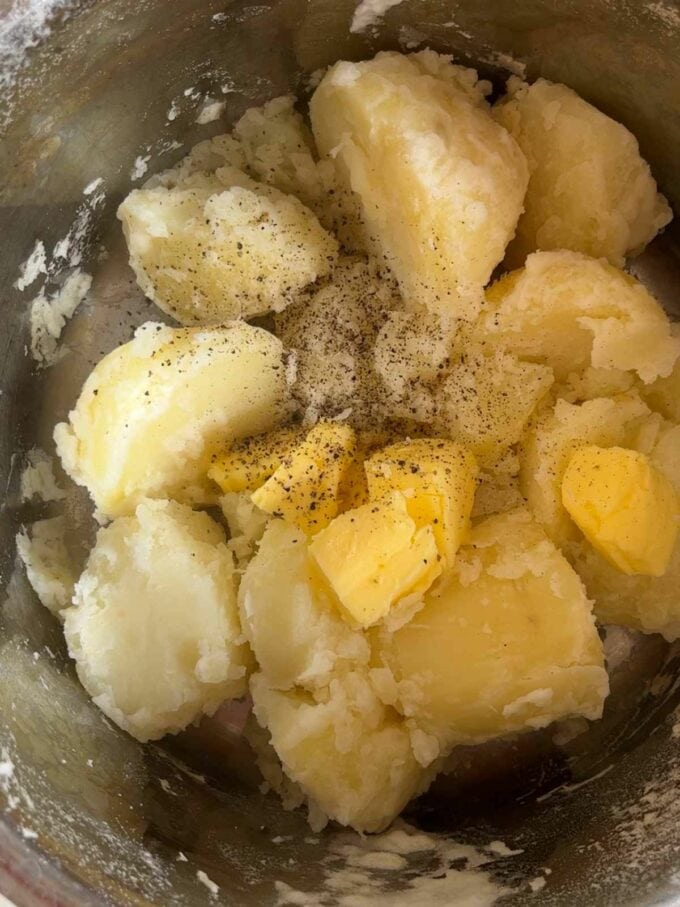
(574, 312)
(154, 629)
(410, 356)
(552, 440)
(229, 248)
(152, 409)
(589, 189)
(441, 184)
(350, 754)
(246, 523)
(487, 399)
(333, 334)
(663, 395)
(49, 566)
(505, 642)
(292, 624)
(626, 508)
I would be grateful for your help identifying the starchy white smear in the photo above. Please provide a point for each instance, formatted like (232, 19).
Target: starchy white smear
(370, 12)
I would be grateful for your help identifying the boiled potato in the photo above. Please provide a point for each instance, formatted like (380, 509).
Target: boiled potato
(226, 248)
(505, 642)
(152, 409)
(289, 617)
(663, 395)
(246, 523)
(154, 630)
(332, 335)
(552, 439)
(350, 754)
(487, 398)
(589, 189)
(441, 184)
(48, 562)
(410, 355)
(574, 312)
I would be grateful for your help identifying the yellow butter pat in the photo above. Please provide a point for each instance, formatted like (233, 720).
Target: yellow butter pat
(249, 463)
(438, 480)
(304, 489)
(624, 506)
(374, 556)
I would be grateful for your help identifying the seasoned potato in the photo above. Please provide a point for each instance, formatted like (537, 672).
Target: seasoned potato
(154, 629)
(332, 335)
(225, 248)
(487, 399)
(152, 409)
(350, 754)
(441, 184)
(574, 312)
(505, 642)
(289, 617)
(554, 437)
(589, 189)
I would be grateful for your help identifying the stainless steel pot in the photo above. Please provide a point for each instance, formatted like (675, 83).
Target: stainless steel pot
(94, 89)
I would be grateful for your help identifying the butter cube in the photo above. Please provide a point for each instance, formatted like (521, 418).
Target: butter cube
(438, 480)
(249, 463)
(624, 506)
(304, 489)
(374, 556)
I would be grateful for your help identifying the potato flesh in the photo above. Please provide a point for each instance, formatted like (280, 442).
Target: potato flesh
(574, 312)
(225, 249)
(154, 630)
(589, 189)
(505, 642)
(350, 755)
(441, 185)
(152, 409)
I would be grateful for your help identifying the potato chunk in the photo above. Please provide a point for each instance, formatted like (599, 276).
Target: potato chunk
(487, 398)
(223, 249)
(574, 312)
(154, 629)
(438, 480)
(441, 184)
(290, 619)
(350, 754)
(152, 409)
(505, 642)
(589, 189)
(552, 440)
(625, 507)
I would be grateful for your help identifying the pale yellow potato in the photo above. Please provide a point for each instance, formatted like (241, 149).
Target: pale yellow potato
(663, 395)
(48, 562)
(152, 410)
(332, 335)
(292, 623)
(487, 398)
(154, 630)
(410, 356)
(552, 439)
(350, 754)
(505, 642)
(441, 184)
(246, 523)
(223, 247)
(589, 189)
(575, 312)
(648, 604)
